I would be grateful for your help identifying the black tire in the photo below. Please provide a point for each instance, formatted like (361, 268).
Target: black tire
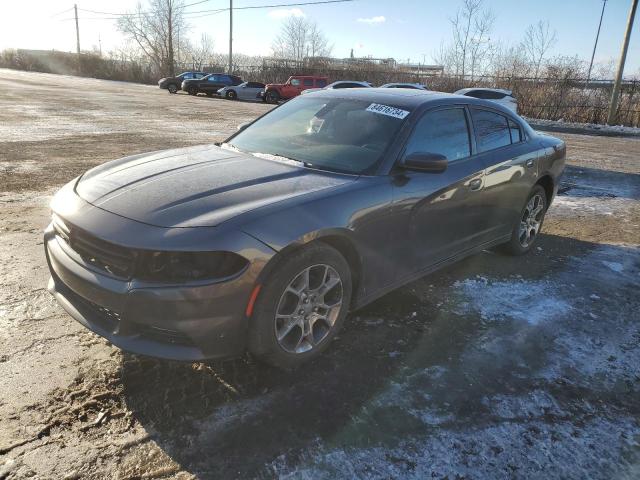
(172, 87)
(209, 94)
(193, 90)
(521, 243)
(262, 340)
(272, 97)
(231, 95)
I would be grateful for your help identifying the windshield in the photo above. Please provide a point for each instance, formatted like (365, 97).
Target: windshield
(336, 134)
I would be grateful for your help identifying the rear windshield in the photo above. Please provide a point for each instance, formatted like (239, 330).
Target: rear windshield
(341, 135)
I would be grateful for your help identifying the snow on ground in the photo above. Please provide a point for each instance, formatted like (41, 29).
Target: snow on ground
(536, 329)
(588, 127)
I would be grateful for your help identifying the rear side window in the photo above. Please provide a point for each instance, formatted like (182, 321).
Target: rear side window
(187, 76)
(321, 83)
(347, 85)
(198, 75)
(226, 79)
(295, 82)
(516, 133)
(485, 94)
(492, 130)
(308, 82)
(444, 132)
(214, 78)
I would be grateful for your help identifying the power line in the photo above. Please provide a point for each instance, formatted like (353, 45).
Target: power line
(218, 10)
(60, 13)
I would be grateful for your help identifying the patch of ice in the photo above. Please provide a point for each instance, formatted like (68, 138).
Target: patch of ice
(615, 266)
(528, 301)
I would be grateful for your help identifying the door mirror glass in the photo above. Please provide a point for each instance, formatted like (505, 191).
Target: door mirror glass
(425, 162)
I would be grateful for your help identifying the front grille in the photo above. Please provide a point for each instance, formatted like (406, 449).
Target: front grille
(113, 259)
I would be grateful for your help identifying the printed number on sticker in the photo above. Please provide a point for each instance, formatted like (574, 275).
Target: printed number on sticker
(387, 110)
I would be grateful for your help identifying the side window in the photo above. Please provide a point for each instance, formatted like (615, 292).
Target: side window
(516, 133)
(321, 83)
(198, 75)
(226, 79)
(187, 76)
(308, 82)
(492, 130)
(444, 132)
(214, 78)
(295, 82)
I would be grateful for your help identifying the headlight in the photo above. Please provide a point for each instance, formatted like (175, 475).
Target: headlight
(172, 267)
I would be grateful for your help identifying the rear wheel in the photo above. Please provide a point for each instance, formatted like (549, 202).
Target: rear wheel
(527, 229)
(301, 306)
(173, 88)
(193, 90)
(272, 97)
(231, 95)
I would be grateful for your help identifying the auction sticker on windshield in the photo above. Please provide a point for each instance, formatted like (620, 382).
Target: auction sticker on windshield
(387, 110)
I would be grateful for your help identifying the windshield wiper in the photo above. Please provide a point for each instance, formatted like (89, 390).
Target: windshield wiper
(280, 158)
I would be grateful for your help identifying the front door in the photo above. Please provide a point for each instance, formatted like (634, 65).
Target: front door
(438, 214)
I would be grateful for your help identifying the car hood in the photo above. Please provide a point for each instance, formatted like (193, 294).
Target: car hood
(197, 186)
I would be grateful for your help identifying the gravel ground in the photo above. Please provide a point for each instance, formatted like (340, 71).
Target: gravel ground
(495, 368)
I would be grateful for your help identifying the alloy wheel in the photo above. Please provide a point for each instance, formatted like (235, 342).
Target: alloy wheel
(531, 220)
(308, 308)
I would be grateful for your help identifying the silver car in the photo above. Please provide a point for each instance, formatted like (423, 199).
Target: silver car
(338, 85)
(498, 95)
(413, 86)
(244, 91)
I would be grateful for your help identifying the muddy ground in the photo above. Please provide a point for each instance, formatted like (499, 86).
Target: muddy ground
(497, 367)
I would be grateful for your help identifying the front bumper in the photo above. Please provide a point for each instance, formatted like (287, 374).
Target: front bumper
(190, 322)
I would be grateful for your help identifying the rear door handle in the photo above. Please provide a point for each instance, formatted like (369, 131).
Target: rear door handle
(475, 184)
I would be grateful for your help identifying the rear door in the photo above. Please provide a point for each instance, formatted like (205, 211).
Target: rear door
(511, 163)
(438, 214)
(212, 84)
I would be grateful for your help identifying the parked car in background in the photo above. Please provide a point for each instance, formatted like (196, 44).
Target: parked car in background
(244, 91)
(415, 86)
(340, 84)
(173, 83)
(498, 95)
(210, 84)
(274, 92)
(266, 242)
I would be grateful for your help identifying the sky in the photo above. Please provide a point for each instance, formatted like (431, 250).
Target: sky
(404, 29)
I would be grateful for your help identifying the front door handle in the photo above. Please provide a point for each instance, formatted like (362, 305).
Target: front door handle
(475, 184)
(529, 163)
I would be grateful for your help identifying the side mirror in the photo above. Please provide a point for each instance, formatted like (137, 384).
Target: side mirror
(425, 162)
(242, 126)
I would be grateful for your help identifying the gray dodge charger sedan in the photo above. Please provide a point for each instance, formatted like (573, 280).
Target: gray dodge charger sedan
(265, 242)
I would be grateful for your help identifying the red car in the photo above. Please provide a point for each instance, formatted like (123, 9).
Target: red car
(274, 92)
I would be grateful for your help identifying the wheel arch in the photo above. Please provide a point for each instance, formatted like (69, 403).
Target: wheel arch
(339, 239)
(546, 182)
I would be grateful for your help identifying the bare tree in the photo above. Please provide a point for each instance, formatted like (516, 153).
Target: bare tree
(153, 29)
(203, 53)
(538, 39)
(300, 38)
(471, 44)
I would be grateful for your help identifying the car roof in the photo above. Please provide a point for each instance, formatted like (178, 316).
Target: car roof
(499, 90)
(406, 97)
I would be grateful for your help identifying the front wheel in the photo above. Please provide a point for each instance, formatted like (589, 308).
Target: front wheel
(192, 90)
(231, 95)
(271, 97)
(173, 88)
(301, 306)
(527, 229)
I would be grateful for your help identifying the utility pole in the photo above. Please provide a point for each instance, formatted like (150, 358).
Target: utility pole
(172, 66)
(595, 45)
(230, 36)
(100, 44)
(75, 9)
(613, 107)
